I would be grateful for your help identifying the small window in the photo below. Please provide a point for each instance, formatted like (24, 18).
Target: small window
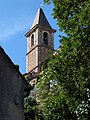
(45, 38)
(32, 40)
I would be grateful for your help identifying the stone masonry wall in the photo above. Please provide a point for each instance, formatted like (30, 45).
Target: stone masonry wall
(11, 91)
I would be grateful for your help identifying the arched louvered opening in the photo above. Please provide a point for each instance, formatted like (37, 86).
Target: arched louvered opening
(32, 40)
(45, 38)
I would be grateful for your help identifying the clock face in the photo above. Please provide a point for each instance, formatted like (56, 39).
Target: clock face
(3, 103)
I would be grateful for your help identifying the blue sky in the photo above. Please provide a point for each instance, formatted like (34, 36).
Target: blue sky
(16, 18)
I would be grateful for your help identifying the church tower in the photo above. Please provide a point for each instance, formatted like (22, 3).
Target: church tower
(40, 40)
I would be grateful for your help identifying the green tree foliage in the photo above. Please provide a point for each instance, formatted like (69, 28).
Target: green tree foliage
(65, 83)
(30, 109)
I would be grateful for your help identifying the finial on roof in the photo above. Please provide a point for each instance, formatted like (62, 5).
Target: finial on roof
(41, 5)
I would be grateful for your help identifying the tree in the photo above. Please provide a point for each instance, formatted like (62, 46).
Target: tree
(68, 98)
(31, 107)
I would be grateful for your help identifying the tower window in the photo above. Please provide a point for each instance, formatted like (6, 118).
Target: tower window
(32, 40)
(45, 38)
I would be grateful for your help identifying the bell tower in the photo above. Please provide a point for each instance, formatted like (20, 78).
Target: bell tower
(40, 40)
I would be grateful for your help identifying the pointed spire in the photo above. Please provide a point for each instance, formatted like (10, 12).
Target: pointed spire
(40, 19)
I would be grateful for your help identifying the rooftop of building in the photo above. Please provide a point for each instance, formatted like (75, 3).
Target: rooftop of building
(40, 21)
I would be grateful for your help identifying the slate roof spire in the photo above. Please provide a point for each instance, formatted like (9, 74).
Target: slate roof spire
(40, 19)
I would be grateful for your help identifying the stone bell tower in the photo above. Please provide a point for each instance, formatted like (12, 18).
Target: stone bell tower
(40, 40)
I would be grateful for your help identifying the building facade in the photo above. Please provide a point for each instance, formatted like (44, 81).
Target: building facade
(40, 43)
(11, 89)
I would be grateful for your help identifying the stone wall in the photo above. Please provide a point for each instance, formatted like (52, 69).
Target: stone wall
(11, 90)
(39, 51)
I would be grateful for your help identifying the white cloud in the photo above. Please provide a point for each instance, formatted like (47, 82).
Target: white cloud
(10, 27)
